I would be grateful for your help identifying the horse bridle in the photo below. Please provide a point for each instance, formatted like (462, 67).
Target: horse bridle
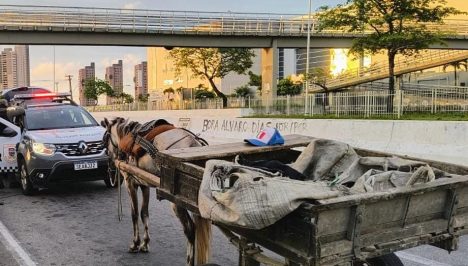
(119, 155)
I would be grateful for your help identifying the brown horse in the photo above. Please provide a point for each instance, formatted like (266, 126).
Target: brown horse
(120, 143)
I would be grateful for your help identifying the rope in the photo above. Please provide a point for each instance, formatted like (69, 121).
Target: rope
(119, 202)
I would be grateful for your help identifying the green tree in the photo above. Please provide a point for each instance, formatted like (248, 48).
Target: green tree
(123, 97)
(212, 63)
(96, 87)
(396, 26)
(456, 65)
(243, 91)
(255, 81)
(168, 90)
(204, 93)
(126, 98)
(143, 98)
(287, 87)
(319, 76)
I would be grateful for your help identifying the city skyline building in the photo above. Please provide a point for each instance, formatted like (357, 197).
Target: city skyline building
(141, 79)
(8, 68)
(162, 74)
(23, 65)
(84, 74)
(14, 67)
(114, 76)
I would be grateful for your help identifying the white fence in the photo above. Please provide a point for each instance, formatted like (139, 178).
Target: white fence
(359, 104)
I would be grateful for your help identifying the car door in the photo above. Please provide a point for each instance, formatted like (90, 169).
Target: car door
(10, 135)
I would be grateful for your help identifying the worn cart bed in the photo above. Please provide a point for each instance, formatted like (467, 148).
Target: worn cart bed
(336, 231)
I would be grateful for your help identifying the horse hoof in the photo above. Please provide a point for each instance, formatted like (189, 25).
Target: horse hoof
(133, 249)
(144, 249)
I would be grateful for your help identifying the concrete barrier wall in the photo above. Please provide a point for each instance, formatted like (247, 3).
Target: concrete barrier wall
(437, 140)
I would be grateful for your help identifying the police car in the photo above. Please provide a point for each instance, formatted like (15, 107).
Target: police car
(57, 140)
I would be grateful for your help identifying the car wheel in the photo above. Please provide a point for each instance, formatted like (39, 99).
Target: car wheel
(26, 184)
(110, 179)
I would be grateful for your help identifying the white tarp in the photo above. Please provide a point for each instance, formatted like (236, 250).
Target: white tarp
(242, 196)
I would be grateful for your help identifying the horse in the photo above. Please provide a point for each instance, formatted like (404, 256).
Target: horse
(119, 140)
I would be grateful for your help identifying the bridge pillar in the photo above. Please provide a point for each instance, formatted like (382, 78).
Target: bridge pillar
(270, 64)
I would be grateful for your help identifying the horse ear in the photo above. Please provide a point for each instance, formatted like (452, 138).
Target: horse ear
(105, 123)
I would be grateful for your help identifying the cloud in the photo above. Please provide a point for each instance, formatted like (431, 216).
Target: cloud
(131, 5)
(43, 74)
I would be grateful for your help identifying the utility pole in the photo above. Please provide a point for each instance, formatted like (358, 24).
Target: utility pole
(306, 105)
(69, 77)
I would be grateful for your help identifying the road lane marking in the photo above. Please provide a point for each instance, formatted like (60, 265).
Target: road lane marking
(10, 242)
(420, 260)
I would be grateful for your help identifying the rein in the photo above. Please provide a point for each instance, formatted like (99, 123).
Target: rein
(120, 155)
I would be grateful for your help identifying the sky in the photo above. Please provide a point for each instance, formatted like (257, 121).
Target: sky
(69, 59)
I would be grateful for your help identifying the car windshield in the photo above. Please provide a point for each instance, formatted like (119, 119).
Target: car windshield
(56, 117)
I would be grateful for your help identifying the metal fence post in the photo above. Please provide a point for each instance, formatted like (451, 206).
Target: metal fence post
(312, 104)
(432, 101)
(366, 104)
(399, 103)
(288, 104)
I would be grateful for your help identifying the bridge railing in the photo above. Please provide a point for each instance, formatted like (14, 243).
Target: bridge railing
(403, 64)
(47, 18)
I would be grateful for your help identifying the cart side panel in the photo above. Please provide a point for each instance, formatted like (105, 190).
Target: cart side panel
(375, 227)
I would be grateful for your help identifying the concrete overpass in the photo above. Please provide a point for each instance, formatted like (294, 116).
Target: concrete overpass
(52, 25)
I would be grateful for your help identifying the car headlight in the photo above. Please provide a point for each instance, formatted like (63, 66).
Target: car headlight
(43, 148)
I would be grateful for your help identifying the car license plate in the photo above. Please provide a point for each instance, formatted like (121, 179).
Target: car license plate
(86, 165)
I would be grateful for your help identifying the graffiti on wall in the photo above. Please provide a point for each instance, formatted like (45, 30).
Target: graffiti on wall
(253, 126)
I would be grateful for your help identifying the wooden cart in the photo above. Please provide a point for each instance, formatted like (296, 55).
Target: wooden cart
(339, 231)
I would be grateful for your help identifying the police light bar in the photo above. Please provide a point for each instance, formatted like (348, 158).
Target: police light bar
(42, 95)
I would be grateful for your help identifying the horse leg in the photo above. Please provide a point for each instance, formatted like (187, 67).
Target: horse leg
(189, 231)
(132, 192)
(145, 218)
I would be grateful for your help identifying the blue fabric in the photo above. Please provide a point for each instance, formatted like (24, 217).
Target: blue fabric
(275, 140)
(255, 142)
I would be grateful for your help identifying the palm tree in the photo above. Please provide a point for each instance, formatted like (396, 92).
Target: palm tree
(456, 65)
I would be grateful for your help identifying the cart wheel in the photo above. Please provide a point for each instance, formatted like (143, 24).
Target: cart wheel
(385, 260)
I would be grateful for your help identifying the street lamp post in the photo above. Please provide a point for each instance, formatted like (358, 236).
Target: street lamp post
(306, 107)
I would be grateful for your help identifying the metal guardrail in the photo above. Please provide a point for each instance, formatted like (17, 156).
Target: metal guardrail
(49, 18)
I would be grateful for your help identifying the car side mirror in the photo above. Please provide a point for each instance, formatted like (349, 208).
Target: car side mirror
(9, 133)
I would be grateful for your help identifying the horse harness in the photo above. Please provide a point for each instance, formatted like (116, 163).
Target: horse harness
(147, 145)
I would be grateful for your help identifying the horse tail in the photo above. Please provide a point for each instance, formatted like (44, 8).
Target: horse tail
(202, 239)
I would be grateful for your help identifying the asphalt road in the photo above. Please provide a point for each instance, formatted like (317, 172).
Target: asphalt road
(76, 224)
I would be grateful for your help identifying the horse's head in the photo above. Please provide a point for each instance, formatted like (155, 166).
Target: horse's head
(111, 138)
